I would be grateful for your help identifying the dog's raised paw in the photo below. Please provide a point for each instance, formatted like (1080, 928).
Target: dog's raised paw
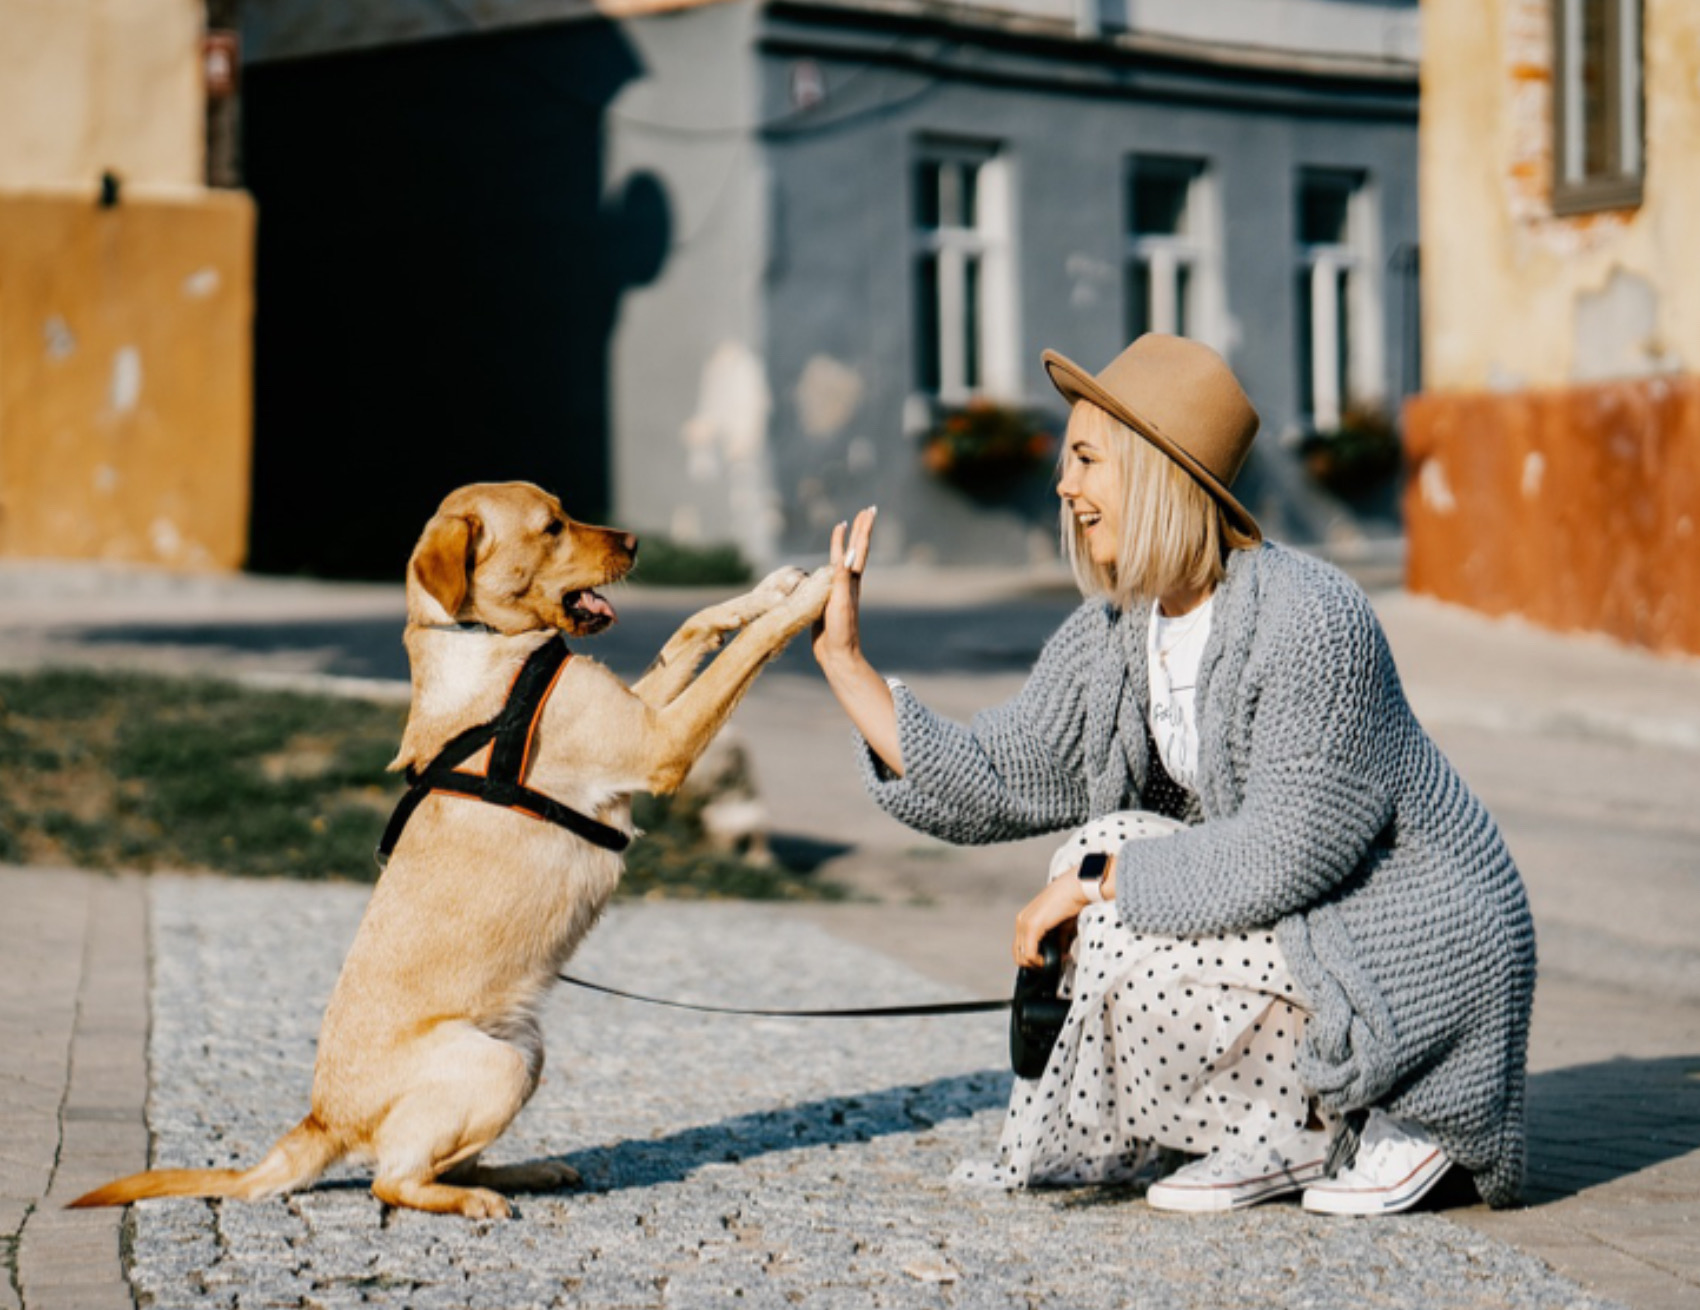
(816, 587)
(781, 582)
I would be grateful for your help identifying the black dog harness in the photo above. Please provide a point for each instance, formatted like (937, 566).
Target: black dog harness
(502, 783)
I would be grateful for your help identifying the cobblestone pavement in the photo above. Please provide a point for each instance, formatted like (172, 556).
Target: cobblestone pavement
(1588, 754)
(726, 1161)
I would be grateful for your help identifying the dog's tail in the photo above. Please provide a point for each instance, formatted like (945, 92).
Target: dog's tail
(300, 1156)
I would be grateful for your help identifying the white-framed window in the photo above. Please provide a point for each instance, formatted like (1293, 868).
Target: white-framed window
(965, 318)
(1170, 247)
(1597, 105)
(1338, 295)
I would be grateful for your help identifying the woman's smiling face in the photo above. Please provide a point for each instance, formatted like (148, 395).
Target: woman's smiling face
(1091, 486)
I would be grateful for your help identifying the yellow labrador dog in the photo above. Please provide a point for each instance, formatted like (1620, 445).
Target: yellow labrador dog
(431, 1044)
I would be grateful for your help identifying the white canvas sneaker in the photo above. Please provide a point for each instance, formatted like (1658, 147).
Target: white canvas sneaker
(1397, 1164)
(1231, 1180)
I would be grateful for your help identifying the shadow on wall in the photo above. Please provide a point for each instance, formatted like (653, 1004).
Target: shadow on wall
(438, 272)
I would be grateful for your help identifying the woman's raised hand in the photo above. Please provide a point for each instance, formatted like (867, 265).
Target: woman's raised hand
(838, 635)
(838, 646)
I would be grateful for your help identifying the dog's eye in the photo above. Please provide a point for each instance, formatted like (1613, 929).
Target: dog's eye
(555, 528)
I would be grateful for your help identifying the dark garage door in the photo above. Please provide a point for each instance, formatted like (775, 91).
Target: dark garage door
(437, 276)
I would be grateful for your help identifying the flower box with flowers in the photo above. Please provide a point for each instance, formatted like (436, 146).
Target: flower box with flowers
(986, 446)
(1358, 458)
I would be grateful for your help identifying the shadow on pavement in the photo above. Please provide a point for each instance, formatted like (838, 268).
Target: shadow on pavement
(1596, 1123)
(350, 648)
(804, 854)
(831, 1121)
(1000, 638)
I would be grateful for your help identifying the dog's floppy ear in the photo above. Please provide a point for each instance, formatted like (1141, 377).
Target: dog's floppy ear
(442, 561)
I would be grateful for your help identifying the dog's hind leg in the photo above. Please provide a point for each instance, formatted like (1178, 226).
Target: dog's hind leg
(473, 1087)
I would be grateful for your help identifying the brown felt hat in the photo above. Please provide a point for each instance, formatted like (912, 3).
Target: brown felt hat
(1182, 397)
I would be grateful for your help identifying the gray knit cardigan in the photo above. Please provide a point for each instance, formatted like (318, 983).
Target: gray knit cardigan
(1327, 812)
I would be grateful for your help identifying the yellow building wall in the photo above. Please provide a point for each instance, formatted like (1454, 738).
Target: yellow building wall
(94, 85)
(125, 332)
(1512, 296)
(125, 373)
(1554, 455)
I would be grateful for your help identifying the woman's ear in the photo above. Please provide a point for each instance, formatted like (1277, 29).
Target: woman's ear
(442, 561)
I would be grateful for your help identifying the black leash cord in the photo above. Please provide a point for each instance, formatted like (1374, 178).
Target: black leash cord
(872, 1012)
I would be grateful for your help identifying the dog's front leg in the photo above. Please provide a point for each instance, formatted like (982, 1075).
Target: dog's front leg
(683, 729)
(706, 632)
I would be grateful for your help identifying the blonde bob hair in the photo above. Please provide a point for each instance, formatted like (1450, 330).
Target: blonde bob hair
(1175, 535)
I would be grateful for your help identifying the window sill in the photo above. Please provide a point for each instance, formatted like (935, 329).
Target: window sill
(1596, 195)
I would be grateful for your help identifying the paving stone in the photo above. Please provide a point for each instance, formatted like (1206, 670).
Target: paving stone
(726, 1162)
(82, 1296)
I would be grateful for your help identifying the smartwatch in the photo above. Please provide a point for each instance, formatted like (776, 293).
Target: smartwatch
(1092, 870)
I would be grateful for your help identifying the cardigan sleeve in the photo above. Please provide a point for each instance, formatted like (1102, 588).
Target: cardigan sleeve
(1013, 771)
(1313, 803)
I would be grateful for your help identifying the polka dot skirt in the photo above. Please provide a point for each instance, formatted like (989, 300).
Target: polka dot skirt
(1187, 1044)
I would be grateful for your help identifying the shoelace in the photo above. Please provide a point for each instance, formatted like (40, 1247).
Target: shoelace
(1381, 1134)
(1224, 1164)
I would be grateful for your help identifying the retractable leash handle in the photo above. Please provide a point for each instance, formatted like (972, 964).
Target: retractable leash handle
(864, 1012)
(1037, 1012)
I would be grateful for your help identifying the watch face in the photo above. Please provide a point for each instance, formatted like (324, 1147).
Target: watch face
(1093, 866)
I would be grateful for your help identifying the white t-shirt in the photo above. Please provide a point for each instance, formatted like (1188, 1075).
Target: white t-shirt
(1173, 650)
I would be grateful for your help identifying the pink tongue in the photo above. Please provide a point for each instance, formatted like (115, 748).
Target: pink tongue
(590, 601)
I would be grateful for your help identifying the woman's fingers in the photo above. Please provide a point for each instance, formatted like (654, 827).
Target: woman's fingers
(835, 630)
(861, 532)
(1060, 902)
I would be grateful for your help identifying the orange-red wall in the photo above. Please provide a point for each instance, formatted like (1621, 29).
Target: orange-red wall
(1577, 508)
(125, 367)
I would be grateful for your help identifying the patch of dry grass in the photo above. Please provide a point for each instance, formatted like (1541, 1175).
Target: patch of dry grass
(124, 770)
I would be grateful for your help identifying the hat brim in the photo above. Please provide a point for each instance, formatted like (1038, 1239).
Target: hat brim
(1075, 383)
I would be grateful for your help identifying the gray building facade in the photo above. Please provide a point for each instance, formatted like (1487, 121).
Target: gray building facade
(826, 226)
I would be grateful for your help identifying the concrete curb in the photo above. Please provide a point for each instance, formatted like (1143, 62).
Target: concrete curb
(95, 1028)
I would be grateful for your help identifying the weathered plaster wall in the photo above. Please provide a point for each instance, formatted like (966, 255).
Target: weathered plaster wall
(1576, 508)
(1385, 29)
(124, 330)
(689, 388)
(293, 29)
(1513, 296)
(1555, 454)
(840, 280)
(92, 85)
(124, 378)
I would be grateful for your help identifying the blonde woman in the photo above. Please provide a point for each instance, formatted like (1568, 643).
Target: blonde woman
(1303, 957)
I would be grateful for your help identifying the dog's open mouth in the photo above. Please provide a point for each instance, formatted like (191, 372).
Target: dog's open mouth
(589, 610)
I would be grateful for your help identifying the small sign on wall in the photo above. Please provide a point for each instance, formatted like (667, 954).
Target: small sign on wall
(220, 59)
(808, 84)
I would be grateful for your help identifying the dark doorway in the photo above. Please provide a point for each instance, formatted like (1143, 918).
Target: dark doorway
(438, 271)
